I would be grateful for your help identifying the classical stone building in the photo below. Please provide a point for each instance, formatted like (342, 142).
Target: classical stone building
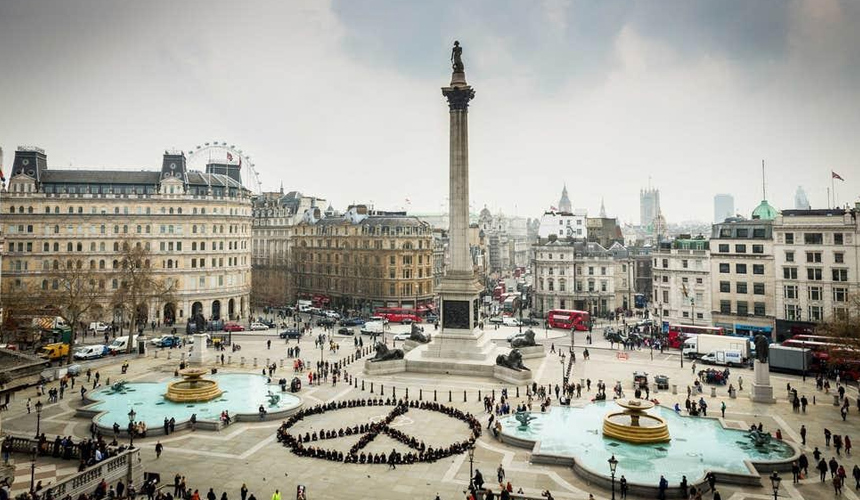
(573, 274)
(365, 259)
(816, 266)
(275, 216)
(196, 226)
(742, 276)
(682, 281)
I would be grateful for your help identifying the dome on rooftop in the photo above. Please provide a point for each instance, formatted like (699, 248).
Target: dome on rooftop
(764, 211)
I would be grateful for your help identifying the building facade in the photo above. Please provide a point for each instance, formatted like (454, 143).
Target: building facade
(581, 275)
(364, 259)
(649, 206)
(681, 272)
(564, 225)
(816, 262)
(742, 276)
(196, 227)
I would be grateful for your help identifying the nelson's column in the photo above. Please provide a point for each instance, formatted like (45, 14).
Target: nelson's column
(460, 347)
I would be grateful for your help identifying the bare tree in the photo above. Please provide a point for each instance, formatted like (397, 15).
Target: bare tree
(19, 311)
(846, 328)
(139, 285)
(70, 292)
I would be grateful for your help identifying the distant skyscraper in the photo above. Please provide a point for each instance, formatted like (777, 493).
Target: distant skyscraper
(724, 207)
(801, 202)
(649, 206)
(564, 203)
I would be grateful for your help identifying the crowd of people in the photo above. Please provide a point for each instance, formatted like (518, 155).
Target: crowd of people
(369, 431)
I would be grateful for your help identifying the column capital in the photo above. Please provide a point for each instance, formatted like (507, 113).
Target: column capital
(458, 97)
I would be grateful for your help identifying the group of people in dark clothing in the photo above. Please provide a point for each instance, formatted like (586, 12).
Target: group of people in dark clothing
(369, 431)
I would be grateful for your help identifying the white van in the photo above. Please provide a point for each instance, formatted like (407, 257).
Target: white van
(98, 327)
(90, 352)
(120, 344)
(372, 328)
(509, 321)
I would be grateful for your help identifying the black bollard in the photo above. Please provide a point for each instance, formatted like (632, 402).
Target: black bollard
(518, 391)
(371, 387)
(381, 390)
(362, 385)
(394, 392)
(449, 396)
(464, 396)
(420, 394)
(407, 393)
(434, 394)
(479, 395)
(494, 394)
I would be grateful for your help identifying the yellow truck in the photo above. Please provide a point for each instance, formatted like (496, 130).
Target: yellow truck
(54, 351)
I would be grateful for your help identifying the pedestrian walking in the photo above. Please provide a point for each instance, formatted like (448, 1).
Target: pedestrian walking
(803, 435)
(723, 409)
(500, 472)
(623, 484)
(158, 449)
(243, 491)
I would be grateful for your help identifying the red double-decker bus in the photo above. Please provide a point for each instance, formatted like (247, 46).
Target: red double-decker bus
(679, 333)
(567, 319)
(399, 314)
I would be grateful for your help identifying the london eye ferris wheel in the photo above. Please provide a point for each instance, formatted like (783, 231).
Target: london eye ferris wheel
(226, 154)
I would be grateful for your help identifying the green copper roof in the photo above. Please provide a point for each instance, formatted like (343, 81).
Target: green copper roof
(764, 211)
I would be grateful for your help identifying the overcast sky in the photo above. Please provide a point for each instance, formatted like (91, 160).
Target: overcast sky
(342, 99)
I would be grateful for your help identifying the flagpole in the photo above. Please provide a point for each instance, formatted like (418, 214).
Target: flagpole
(833, 188)
(829, 205)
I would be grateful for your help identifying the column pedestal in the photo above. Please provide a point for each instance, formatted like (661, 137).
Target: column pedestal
(761, 391)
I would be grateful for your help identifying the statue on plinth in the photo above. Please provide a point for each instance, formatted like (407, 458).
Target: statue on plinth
(514, 361)
(527, 340)
(762, 348)
(524, 418)
(417, 334)
(456, 58)
(383, 353)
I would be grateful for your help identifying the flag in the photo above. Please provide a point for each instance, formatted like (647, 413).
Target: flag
(229, 157)
(552, 208)
(834, 175)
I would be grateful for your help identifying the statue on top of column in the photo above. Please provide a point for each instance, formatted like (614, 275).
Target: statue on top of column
(456, 57)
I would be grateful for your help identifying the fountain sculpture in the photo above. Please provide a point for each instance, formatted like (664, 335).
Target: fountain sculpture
(193, 388)
(633, 425)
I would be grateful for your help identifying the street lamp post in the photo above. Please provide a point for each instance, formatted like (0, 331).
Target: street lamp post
(471, 468)
(774, 481)
(33, 454)
(131, 415)
(38, 418)
(563, 374)
(613, 463)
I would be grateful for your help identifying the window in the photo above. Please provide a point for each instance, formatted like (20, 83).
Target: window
(686, 314)
(741, 268)
(789, 273)
(789, 256)
(792, 312)
(758, 232)
(813, 257)
(789, 238)
(700, 316)
(789, 291)
(741, 287)
(813, 238)
(758, 288)
(813, 274)
(699, 281)
(684, 264)
(725, 307)
(740, 249)
(665, 263)
(840, 274)
(815, 293)
(665, 279)
(665, 296)
(743, 233)
(758, 249)
(724, 268)
(816, 313)
(725, 287)
(840, 294)
(839, 257)
(551, 285)
(759, 309)
(743, 308)
(758, 268)
(724, 248)
(838, 239)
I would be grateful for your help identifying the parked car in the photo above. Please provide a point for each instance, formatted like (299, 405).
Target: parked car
(233, 327)
(331, 314)
(431, 318)
(345, 331)
(326, 322)
(166, 341)
(352, 322)
(401, 336)
(496, 320)
(258, 326)
(510, 321)
(270, 324)
(406, 321)
(530, 322)
(291, 333)
(90, 351)
(190, 340)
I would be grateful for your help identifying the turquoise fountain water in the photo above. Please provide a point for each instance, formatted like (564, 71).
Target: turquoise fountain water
(697, 445)
(243, 393)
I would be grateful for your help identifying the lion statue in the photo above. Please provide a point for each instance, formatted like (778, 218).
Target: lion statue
(514, 361)
(383, 353)
(528, 340)
(417, 334)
